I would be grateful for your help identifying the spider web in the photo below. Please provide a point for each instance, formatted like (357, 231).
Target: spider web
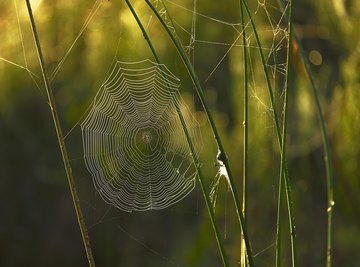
(134, 144)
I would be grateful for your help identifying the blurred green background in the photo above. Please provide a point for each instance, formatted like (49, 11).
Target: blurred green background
(38, 225)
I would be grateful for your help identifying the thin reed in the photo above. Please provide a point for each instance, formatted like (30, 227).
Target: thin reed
(60, 137)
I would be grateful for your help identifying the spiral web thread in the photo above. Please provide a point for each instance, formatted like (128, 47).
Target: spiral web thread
(134, 144)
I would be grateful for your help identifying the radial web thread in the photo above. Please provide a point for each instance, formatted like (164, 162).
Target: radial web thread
(134, 143)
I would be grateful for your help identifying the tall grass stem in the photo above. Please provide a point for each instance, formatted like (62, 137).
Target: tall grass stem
(245, 132)
(327, 154)
(55, 116)
(283, 159)
(279, 135)
(326, 146)
(200, 93)
(191, 146)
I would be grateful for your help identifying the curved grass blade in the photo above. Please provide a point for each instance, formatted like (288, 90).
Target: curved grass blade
(279, 137)
(191, 146)
(200, 93)
(326, 145)
(55, 116)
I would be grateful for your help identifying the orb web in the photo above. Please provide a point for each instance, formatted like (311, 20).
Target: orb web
(134, 143)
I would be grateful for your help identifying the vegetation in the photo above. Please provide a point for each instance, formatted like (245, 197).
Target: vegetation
(282, 119)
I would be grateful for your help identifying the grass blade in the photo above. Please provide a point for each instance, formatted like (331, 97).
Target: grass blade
(279, 137)
(326, 146)
(191, 146)
(283, 160)
(55, 116)
(243, 261)
(200, 93)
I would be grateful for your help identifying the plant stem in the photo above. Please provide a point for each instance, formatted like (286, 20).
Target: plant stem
(279, 137)
(61, 141)
(326, 145)
(191, 146)
(287, 180)
(246, 127)
(283, 156)
(327, 153)
(200, 93)
(279, 225)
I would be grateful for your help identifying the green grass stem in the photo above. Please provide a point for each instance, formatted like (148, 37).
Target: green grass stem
(245, 133)
(55, 116)
(326, 146)
(327, 155)
(283, 158)
(200, 93)
(279, 137)
(191, 146)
